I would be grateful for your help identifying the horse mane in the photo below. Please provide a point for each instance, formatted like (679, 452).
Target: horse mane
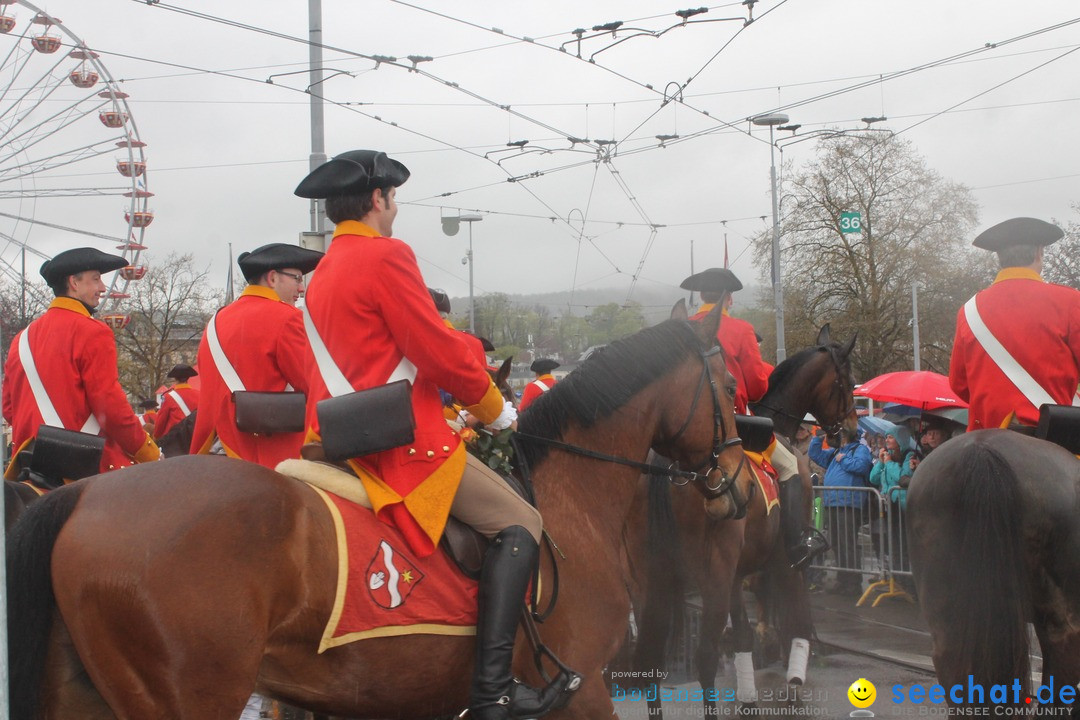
(605, 382)
(783, 372)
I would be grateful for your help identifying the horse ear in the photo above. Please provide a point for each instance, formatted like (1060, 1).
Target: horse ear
(708, 327)
(678, 310)
(823, 336)
(851, 345)
(504, 371)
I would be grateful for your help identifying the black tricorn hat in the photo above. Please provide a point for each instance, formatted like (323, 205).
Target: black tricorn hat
(717, 280)
(181, 372)
(543, 365)
(352, 173)
(277, 256)
(77, 260)
(488, 347)
(1018, 231)
(441, 300)
(148, 404)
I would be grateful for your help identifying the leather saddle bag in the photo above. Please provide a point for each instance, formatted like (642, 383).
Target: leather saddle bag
(756, 432)
(1060, 424)
(366, 422)
(266, 413)
(61, 454)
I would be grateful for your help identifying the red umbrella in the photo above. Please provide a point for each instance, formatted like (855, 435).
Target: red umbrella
(922, 389)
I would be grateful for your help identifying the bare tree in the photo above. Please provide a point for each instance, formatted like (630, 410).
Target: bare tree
(915, 228)
(1061, 263)
(18, 308)
(169, 309)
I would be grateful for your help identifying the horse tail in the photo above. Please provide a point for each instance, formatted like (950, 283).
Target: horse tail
(30, 594)
(662, 613)
(989, 590)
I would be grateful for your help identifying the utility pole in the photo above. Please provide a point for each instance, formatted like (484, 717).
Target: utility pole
(318, 139)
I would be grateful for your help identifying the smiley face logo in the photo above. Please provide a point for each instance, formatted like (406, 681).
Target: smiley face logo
(862, 693)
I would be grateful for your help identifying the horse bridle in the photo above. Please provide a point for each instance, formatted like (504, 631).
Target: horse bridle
(834, 427)
(677, 476)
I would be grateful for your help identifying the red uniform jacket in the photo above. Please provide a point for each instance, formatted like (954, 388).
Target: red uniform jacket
(264, 340)
(1039, 325)
(742, 356)
(371, 308)
(170, 412)
(531, 391)
(75, 356)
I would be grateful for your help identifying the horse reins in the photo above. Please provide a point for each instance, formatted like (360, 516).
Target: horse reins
(720, 443)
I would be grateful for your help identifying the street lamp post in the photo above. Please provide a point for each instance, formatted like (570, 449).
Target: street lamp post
(469, 258)
(772, 120)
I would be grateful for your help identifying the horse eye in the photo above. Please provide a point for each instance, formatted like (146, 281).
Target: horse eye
(730, 389)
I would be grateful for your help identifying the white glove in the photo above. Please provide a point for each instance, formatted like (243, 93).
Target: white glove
(506, 417)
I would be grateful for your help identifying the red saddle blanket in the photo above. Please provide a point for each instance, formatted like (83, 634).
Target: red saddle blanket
(382, 590)
(767, 478)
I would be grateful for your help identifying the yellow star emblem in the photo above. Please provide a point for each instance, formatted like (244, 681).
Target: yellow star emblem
(407, 576)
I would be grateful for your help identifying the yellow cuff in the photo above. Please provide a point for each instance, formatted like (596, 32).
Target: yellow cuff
(490, 406)
(149, 452)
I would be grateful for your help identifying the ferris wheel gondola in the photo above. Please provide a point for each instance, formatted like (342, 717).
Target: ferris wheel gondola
(68, 145)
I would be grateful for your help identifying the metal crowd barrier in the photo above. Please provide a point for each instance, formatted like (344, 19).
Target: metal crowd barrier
(869, 542)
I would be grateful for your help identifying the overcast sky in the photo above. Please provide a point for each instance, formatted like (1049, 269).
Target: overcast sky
(226, 148)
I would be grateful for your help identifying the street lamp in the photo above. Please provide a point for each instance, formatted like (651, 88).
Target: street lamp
(772, 120)
(470, 218)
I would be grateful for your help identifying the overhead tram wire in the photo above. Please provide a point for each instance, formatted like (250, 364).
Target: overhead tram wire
(859, 86)
(385, 61)
(524, 117)
(605, 68)
(397, 125)
(637, 101)
(731, 124)
(987, 47)
(381, 60)
(990, 89)
(581, 234)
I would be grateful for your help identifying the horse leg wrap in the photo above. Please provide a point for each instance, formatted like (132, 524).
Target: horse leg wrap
(796, 667)
(746, 688)
(253, 708)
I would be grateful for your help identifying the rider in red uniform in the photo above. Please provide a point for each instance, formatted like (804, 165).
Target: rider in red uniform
(736, 336)
(544, 381)
(261, 335)
(368, 303)
(1035, 324)
(75, 358)
(179, 401)
(743, 359)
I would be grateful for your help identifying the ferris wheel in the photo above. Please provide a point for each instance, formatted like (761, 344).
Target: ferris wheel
(72, 165)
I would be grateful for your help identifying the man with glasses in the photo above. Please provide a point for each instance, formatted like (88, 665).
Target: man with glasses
(258, 341)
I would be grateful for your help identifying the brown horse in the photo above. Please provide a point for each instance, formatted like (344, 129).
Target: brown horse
(817, 380)
(175, 589)
(995, 543)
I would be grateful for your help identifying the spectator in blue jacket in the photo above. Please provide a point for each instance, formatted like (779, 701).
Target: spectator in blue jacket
(847, 466)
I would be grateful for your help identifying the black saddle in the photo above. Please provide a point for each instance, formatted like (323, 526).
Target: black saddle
(1060, 424)
(465, 546)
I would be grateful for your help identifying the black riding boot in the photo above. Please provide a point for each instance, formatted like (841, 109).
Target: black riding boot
(508, 566)
(802, 543)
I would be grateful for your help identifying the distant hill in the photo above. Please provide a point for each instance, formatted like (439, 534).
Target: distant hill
(655, 303)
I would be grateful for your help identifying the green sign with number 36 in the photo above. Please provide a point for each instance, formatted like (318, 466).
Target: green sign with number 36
(850, 222)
